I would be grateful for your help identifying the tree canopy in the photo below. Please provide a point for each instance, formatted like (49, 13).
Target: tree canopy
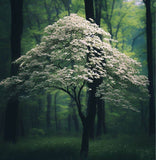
(74, 51)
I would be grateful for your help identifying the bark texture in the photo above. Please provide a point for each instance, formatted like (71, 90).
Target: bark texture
(150, 60)
(12, 108)
(48, 110)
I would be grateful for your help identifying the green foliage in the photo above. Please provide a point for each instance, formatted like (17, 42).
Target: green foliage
(36, 132)
(67, 148)
(36, 17)
(122, 147)
(77, 6)
(125, 20)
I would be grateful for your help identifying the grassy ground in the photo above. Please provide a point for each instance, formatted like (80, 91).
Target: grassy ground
(67, 148)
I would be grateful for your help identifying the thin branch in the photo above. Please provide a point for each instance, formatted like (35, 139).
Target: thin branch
(83, 118)
(79, 93)
(112, 9)
(65, 90)
(78, 103)
(106, 10)
(119, 24)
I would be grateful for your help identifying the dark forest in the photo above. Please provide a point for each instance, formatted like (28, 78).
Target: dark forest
(77, 79)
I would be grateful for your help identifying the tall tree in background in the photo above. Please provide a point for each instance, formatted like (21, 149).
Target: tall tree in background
(101, 126)
(150, 60)
(108, 13)
(12, 109)
(89, 10)
(48, 110)
(92, 100)
(98, 7)
(91, 103)
(55, 110)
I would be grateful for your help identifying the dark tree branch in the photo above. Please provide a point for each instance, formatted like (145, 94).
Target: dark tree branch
(151, 67)
(112, 9)
(89, 9)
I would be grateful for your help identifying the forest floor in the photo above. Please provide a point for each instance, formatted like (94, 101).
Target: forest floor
(67, 148)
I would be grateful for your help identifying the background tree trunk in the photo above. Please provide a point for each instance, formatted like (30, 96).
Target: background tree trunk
(11, 120)
(11, 113)
(73, 115)
(75, 119)
(55, 107)
(48, 110)
(91, 109)
(101, 125)
(98, 7)
(91, 105)
(21, 123)
(101, 128)
(69, 122)
(94, 102)
(150, 60)
(89, 10)
(85, 141)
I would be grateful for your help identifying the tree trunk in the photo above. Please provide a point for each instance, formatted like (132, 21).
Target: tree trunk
(16, 32)
(150, 60)
(11, 121)
(92, 100)
(103, 120)
(91, 105)
(22, 131)
(48, 110)
(89, 10)
(59, 124)
(100, 104)
(98, 6)
(69, 122)
(91, 109)
(143, 118)
(85, 135)
(56, 122)
(75, 119)
(38, 113)
(11, 113)
(1, 122)
(74, 115)
(21, 123)
(101, 128)
(84, 142)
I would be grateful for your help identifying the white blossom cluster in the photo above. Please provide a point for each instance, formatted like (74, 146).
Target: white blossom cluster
(74, 51)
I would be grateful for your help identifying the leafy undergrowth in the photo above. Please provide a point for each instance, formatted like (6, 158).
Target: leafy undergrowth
(67, 148)
(123, 148)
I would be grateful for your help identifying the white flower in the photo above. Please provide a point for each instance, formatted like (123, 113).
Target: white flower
(72, 52)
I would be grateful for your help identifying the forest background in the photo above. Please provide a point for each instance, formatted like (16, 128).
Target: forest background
(54, 113)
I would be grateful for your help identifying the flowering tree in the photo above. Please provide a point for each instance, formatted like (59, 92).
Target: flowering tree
(73, 52)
